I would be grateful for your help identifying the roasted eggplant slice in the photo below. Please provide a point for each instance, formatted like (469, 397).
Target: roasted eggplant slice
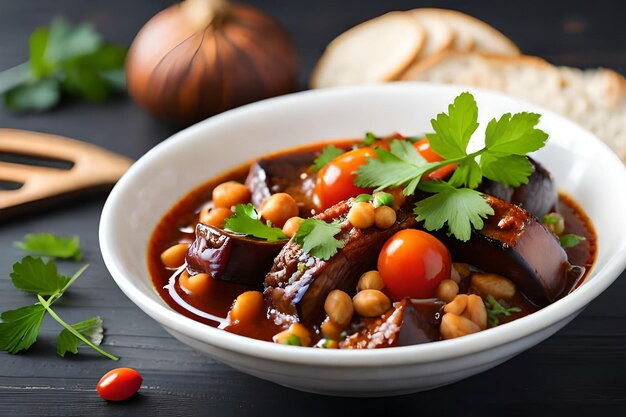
(514, 244)
(229, 256)
(539, 196)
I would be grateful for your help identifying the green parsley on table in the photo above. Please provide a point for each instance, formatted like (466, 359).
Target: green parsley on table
(317, 238)
(19, 328)
(49, 245)
(64, 60)
(246, 221)
(329, 153)
(455, 202)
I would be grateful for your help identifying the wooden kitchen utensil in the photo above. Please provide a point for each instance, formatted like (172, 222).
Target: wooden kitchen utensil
(93, 169)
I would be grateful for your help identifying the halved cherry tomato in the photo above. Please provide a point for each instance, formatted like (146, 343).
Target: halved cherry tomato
(335, 181)
(119, 384)
(423, 147)
(412, 263)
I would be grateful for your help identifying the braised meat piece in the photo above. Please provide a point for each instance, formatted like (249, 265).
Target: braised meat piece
(403, 325)
(298, 283)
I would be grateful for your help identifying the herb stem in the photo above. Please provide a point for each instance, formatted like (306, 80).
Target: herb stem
(46, 304)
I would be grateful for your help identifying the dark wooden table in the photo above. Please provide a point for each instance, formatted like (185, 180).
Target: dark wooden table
(581, 371)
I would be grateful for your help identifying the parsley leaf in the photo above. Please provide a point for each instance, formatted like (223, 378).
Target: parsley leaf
(460, 208)
(494, 309)
(570, 240)
(64, 59)
(316, 237)
(454, 130)
(19, 328)
(515, 134)
(512, 170)
(34, 276)
(90, 328)
(370, 138)
(47, 244)
(328, 154)
(246, 221)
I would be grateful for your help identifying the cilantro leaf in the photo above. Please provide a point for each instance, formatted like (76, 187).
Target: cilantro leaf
(494, 309)
(454, 130)
(90, 328)
(460, 208)
(34, 276)
(515, 134)
(66, 41)
(370, 138)
(33, 95)
(328, 154)
(570, 240)
(246, 221)
(511, 170)
(19, 328)
(317, 238)
(47, 244)
(467, 174)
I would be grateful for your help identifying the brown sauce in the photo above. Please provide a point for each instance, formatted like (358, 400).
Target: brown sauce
(177, 226)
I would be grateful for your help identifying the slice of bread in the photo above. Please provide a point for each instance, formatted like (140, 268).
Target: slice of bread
(596, 99)
(472, 33)
(376, 51)
(439, 34)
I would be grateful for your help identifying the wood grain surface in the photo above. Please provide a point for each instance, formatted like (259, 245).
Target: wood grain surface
(581, 371)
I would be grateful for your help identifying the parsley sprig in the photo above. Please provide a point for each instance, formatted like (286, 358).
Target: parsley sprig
(317, 238)
(455, 202)
(19, 328)
(329, 153)
(64, 59)
(247, 221)
(495, 309)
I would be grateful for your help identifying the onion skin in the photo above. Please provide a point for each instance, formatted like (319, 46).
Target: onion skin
(183, 72)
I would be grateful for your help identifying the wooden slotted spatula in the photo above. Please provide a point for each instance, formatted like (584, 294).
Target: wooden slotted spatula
(93, 170)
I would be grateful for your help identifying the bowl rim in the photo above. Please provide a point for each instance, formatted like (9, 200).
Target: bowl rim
(560, 310)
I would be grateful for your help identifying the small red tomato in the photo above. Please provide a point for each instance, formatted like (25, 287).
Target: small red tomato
(119, 384)
(423, 147)
(412, 263)
(335, 182)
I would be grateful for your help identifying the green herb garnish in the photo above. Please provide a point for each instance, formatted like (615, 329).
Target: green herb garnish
(64, 59)
(317, 238)
(370, 138)
(247, 221)
(294, 340)
(383, 199)
(363, 198)
(328, 154)
(49, 245)
(494, 309)
(456, 202)
(19, 328)
(570, 240)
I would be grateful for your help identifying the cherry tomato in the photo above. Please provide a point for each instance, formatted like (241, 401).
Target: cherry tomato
(423, 147)
(335, 182)
(119, 384)
(412, 263)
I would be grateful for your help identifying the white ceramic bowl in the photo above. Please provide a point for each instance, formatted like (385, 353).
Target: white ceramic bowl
(583, 166)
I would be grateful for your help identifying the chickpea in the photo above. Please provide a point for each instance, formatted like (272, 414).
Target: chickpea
(398, 197)
(338, 306)
(247, 306)
(456, 306)
(463, 269)
(296, 335)
(384, 217)
(196, 285)
(371, 280)
(331, 330)
(447, 290)
(230, 193)
(174, 256)
(291, 226)
(453, 326)
(371, 303)
(493, 284)
(278, 209)
(361, 215)
(215, 217)
(476, 311)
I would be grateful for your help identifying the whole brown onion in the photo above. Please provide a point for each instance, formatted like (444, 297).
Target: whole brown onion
(201, 57)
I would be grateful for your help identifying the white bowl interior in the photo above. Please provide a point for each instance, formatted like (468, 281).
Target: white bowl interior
(582, 165)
